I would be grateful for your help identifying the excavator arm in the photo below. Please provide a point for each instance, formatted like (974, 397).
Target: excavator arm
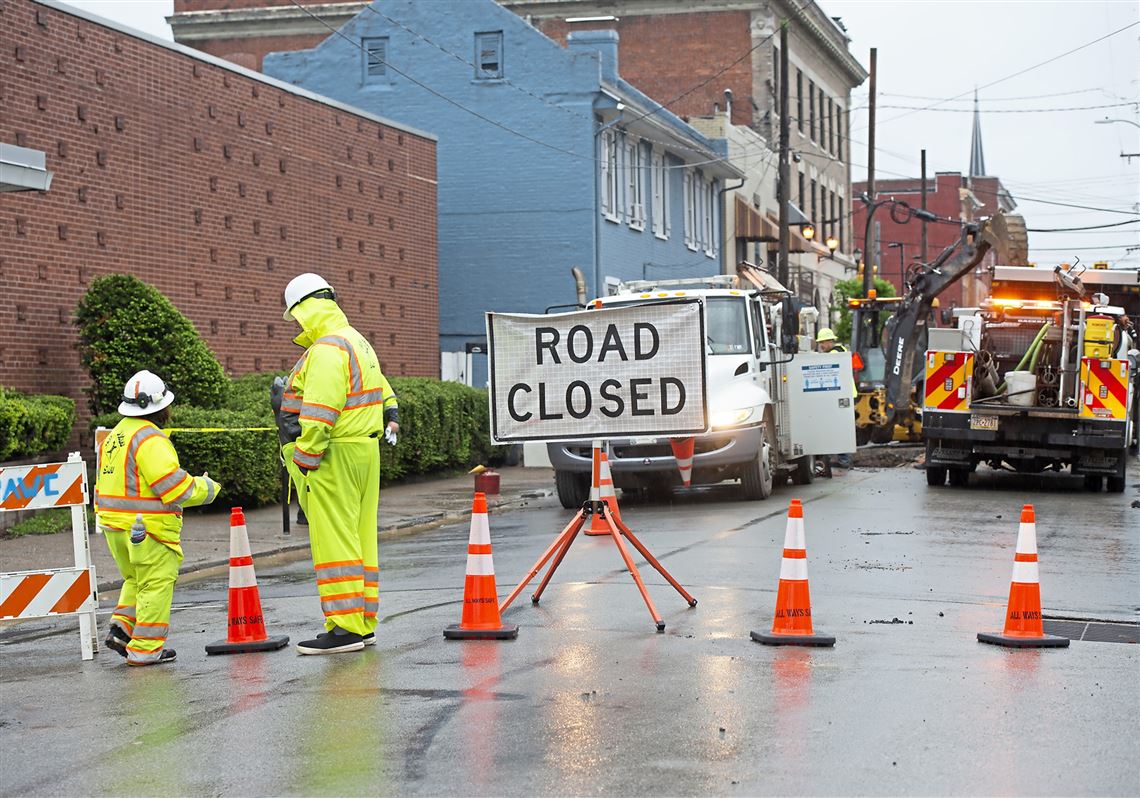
(908, 324)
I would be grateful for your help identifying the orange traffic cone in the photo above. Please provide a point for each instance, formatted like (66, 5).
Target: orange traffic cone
(602, 491)
(480, 619)
(683, 451)
(1023, 626)
(246, 630)
(792, 624)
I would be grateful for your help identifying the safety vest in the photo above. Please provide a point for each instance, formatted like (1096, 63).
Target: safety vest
(139, 475)
(336, 388)
(854, 387)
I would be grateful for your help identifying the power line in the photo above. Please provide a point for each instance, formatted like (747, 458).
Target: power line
(1014, 74)
(1077, 249)
(1002, 99)
(1076, 229)
(1005, 110)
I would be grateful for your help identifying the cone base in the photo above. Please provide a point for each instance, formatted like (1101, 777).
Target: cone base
(1045, 641)
(271, 643)
(769, 639)
(504, 632)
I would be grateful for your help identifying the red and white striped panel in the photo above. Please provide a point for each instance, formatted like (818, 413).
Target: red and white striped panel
(39, 486)
(35, 594)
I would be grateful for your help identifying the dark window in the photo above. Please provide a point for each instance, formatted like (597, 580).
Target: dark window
(801, 202)
(489, 55)
(830, 125)
(842, 224)
(800, 105)
(811, 109)
(375, 58)
(814, 218)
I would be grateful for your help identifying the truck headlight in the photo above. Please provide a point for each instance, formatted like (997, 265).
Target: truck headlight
(731, 418)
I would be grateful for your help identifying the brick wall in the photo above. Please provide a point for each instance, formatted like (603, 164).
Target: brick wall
(663, 54)
(213, 186)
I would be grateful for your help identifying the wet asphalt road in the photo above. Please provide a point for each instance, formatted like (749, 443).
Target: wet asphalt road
(590, 700)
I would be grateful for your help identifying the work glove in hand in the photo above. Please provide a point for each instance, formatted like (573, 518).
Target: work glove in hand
(390, 436)
(288, 424)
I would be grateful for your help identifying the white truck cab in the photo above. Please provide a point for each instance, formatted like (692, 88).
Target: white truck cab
(770, 412)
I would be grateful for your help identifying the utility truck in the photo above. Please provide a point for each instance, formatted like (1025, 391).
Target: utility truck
(774, 404)
(1041, 377)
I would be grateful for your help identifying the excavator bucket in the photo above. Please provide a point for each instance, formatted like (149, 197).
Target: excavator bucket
(997, 234)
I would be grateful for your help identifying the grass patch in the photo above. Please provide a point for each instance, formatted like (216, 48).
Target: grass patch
(47, 522)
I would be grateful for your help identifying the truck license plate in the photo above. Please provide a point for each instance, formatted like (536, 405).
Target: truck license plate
(643, 441)
(983, 422)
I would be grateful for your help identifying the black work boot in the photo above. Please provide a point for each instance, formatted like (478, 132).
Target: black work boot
(117, 640)
(369, 639)
(335, 641)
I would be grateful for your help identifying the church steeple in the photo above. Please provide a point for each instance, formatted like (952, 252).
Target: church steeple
(977, 159)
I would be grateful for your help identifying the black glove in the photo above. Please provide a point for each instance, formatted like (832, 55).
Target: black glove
(288, 424)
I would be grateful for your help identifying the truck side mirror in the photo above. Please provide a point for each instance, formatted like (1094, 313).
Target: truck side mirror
(789, 326)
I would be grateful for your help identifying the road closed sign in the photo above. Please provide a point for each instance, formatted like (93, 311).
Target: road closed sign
(605, 373)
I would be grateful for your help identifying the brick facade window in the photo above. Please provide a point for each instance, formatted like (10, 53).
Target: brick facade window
(489, 55)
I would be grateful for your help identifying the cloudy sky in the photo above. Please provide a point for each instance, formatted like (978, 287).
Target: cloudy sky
(1040, 103)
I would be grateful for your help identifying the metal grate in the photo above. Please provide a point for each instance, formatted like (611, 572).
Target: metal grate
(1094, 631)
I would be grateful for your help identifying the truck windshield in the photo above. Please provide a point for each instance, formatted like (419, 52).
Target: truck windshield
(727, 320)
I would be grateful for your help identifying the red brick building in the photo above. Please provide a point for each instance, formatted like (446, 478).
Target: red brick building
(950, 195)
(212, 183)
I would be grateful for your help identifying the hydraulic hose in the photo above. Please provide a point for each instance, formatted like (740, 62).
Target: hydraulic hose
(1030, 354)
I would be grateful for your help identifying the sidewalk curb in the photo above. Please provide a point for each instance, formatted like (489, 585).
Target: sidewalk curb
(404, 528)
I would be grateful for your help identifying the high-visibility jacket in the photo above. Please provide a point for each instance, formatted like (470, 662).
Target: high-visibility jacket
(336, 388)
(854, 387)
(139, 475)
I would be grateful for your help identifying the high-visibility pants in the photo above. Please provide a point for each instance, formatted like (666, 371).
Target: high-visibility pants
(341, 499)
(119, 542)
(156, 571)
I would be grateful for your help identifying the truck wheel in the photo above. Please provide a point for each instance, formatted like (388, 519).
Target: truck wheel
(1093, 482)
(862, 436)
(1115, 484)
(935, 476)
(573, 488)
(959, 477)
(805, 471)
(756, 478)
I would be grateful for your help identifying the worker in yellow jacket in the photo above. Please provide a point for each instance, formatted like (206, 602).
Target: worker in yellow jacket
(139, 495)
(337, 404)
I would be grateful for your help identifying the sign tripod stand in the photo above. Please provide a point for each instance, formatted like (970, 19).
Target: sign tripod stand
(561, 545)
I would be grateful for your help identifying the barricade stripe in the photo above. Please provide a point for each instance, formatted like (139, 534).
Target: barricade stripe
(75, 596)
(73, 495)
(16, 501)
(23, 595)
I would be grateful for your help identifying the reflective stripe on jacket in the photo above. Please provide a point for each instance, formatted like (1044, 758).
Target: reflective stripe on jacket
(336, 388)
(139, 474)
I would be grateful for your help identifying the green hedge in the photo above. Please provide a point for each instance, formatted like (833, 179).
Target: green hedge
(33, 425)
(126, 325)
(443, 426)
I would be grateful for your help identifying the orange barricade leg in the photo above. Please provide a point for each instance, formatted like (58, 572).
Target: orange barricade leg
(792, 625)
(246, 631)
(1023, 625)
(481, 619)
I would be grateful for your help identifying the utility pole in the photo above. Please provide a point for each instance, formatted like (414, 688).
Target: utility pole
(782, 187)
(870, 253)
(923, 250)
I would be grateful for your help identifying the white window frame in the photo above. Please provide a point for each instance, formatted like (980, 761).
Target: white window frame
(635, 184)
(690, 208)
(660, 187)
(608, 163)
(710, 218)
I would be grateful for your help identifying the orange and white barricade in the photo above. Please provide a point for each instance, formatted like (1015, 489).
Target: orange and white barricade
(52, 591)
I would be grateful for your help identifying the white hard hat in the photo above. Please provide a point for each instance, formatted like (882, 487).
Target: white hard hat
(302, 287)
(144, 393)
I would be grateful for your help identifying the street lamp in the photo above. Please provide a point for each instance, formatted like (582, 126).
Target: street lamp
(832, 245)
(901, 247)
(808, 231)
(1106, 121)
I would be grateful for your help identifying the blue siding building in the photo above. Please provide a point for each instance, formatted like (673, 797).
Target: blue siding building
(547, 159)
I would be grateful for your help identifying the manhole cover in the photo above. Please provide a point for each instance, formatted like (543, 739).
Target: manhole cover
(1094, 631)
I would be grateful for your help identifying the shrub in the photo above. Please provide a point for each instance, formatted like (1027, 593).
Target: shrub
(33, 425)
(126, 325)
(849, 289)
(443, 426)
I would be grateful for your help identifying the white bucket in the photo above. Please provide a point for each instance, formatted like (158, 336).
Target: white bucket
(1019, 381)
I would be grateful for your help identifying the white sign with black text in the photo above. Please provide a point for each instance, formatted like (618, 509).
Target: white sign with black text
(603, 373)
